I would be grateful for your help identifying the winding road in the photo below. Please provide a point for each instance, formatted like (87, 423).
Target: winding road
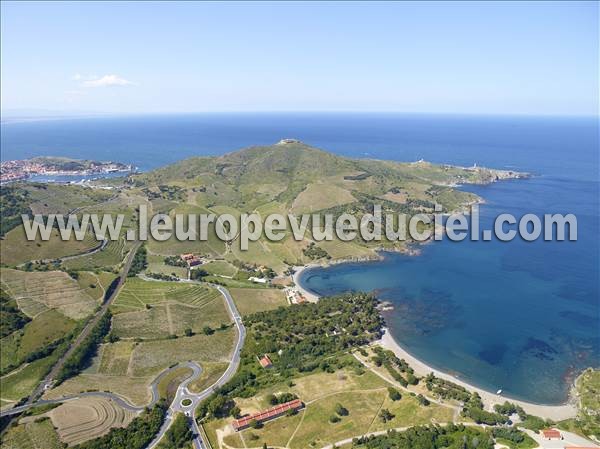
(183, 392)
(193, 399)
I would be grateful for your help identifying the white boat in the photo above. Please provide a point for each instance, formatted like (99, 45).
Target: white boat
(499, 391)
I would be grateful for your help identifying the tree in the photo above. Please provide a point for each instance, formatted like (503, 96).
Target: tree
(385, 415)
(235, 411)
(334, 419)
(341, 410)
(188, 332)
(423, 400)
(394, 394)
(207, 330)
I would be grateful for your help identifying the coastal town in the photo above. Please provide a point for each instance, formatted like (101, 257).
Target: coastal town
(23, 169)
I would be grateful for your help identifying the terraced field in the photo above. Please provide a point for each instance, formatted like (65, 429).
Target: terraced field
(87, 418)
(16, 249)
(110, 256)
(137, 293)
(37, 292)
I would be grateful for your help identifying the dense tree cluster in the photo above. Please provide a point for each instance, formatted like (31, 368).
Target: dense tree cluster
(162, 277)
(281, 399)
(179, 434)
(13, 203)
(400, 371)
(299, 338)
(136, 435)
(474, 409)
(445, 389)
(86, 350)
(175, 261)
(139, 263)
(429, 437)
(11, 317)
(306, 332)
(314, 252)
(511, 434)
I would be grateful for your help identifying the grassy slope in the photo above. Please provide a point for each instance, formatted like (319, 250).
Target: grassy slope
(298, 178)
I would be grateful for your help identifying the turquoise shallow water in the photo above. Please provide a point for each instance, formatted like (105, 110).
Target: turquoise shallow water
(519, 316)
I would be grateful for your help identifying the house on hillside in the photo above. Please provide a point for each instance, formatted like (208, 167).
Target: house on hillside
(265, 361)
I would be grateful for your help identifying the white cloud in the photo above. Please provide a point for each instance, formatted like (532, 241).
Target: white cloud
(103, 81)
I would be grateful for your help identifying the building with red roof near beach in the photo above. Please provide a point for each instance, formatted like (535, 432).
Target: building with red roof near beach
(243, 423)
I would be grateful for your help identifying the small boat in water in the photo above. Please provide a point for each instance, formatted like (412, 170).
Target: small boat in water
(499, 391)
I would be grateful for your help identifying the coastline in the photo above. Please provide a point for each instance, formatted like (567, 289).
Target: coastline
(553, 412)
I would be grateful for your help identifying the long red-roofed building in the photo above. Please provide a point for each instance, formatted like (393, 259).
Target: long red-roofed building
(242, 423)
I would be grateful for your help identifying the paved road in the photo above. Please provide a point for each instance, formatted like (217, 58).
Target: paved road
(196, 369)
(49, 379)
(183, 393)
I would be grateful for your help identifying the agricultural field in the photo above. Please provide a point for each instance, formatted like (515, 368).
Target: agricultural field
(150, 357)
(16, 249)
(37, 292)
(87, 418)
(35, 434)
(111, 256)
(156, 264)
(155, 309)
(130, 367)
(252, 300)
(95, 284)
(56, 305)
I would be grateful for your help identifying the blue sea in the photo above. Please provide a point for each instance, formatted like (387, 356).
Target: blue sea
(521, 316)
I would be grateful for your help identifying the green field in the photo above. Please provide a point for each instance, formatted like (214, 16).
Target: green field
(16, 249)
(362, 394)
(220, 268)
(38, 434)
(109, 257)
(154, 309)
(252, 300)
(43, 330)
(19, 384)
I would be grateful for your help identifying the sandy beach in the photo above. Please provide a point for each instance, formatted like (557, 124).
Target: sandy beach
(296, 276)
(554, 412)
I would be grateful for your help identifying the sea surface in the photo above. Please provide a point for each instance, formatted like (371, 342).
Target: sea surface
(520, 316)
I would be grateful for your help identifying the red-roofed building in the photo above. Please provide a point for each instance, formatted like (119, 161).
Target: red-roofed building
(551, 434)
(265, 361)
(243, 423)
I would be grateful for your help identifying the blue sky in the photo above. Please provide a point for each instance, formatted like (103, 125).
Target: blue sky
(493, 58)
